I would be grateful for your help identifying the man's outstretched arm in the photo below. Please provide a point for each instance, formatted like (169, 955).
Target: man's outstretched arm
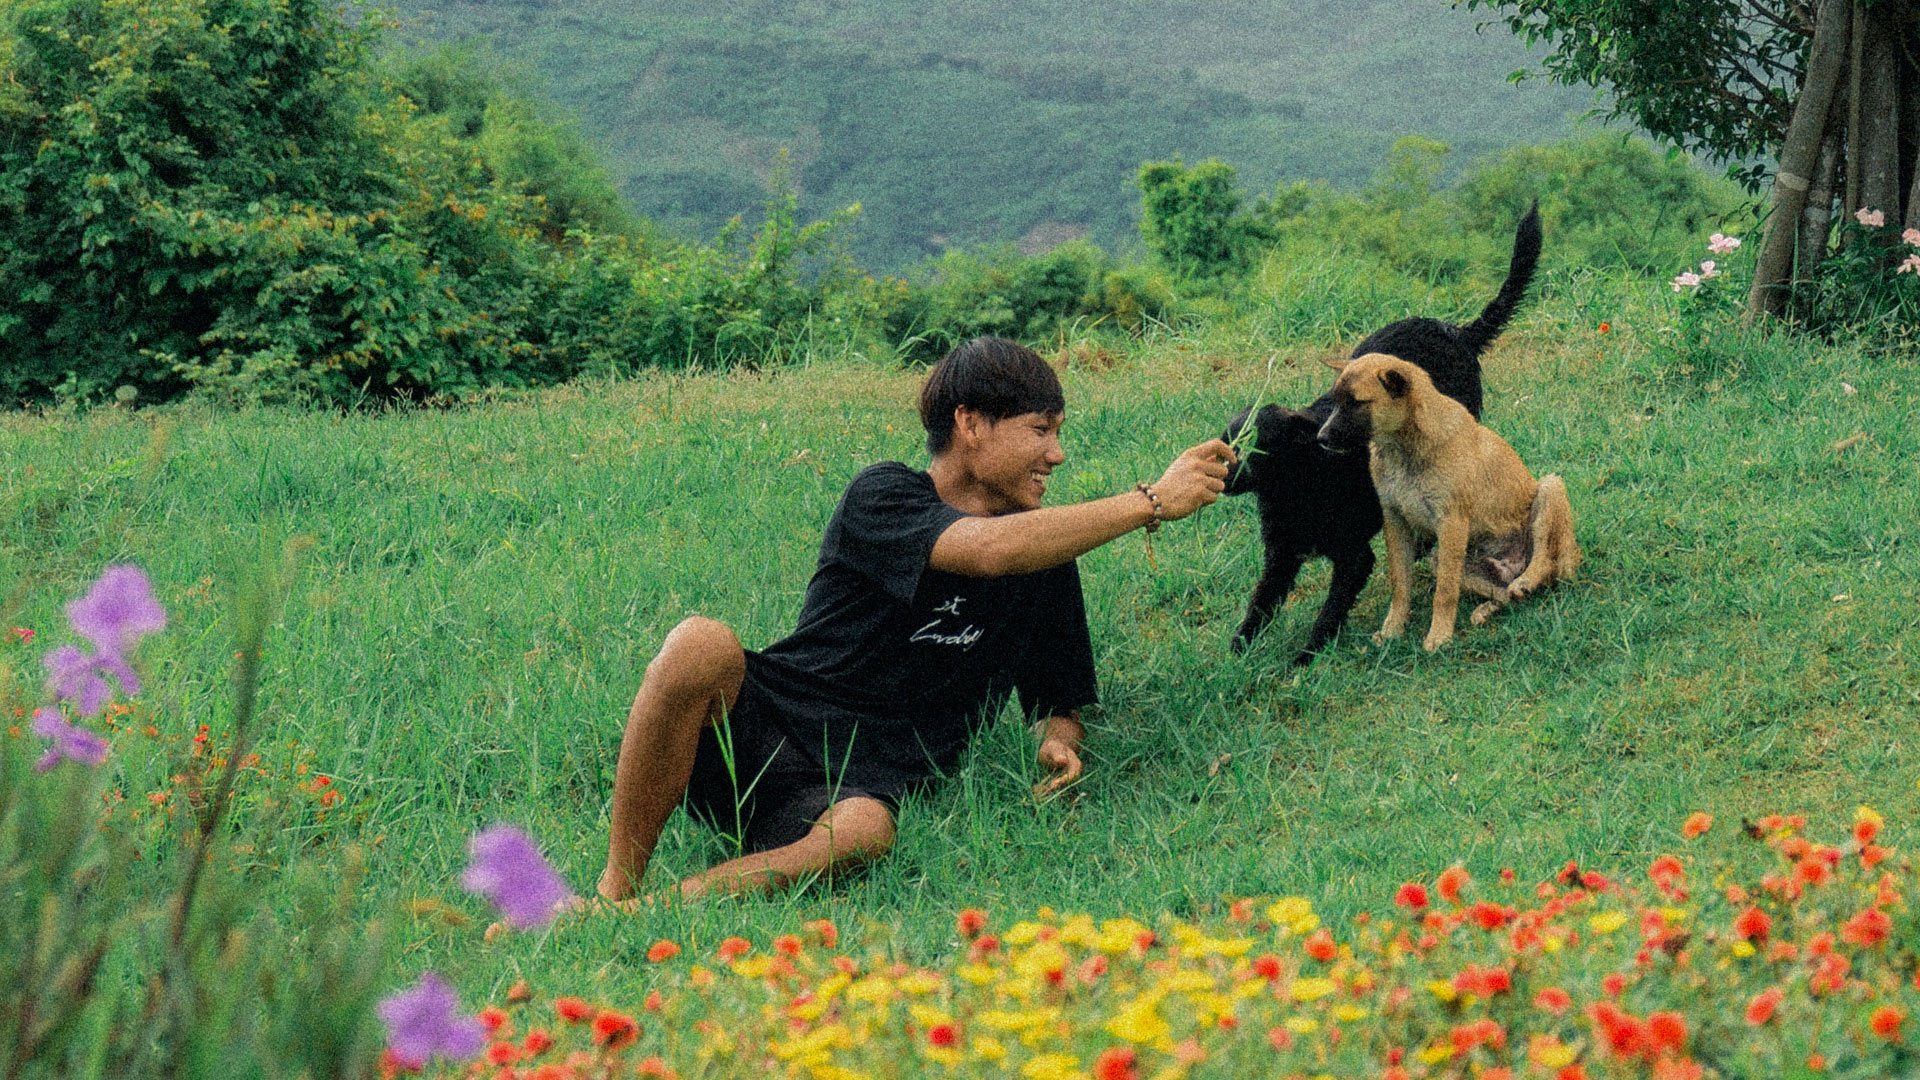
(1038, 539)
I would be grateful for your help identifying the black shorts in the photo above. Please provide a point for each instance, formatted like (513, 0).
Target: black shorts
(750, 784)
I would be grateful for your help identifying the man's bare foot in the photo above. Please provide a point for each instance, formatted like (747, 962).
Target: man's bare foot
(576, 905)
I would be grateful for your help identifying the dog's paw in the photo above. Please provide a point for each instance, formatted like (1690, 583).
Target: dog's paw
(1239, 644)
(1304, 657)
(1484, 612)
(1518, 591)
(1435, 641)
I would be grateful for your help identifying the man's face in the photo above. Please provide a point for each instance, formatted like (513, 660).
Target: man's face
(1014, 457)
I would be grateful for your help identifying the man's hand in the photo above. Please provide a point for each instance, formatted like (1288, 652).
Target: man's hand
(1195, 479)
(1059, 754)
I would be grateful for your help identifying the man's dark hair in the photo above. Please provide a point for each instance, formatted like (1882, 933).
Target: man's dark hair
(992, 376)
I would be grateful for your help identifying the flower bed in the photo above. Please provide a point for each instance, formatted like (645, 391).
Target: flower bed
(1767, 954)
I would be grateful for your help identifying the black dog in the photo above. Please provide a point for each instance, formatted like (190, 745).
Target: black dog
(1317, 502)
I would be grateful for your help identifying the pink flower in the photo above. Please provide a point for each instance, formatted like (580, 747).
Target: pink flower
(1911, 236)
(1872, 219)
(1910, 266)
(1688, 280)
(1707, 270)
(1720, 243)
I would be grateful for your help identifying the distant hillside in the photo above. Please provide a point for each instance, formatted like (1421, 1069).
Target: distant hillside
(961, 124)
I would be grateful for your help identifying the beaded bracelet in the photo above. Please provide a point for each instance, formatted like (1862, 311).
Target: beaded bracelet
(1153, 497)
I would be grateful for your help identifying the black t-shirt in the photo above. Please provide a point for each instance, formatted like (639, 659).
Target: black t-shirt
(894, 664)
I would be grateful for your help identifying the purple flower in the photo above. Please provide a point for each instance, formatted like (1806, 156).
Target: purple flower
(118, 611)
(70, 742)
(421, 1023)
(74, 676)
(507, 869)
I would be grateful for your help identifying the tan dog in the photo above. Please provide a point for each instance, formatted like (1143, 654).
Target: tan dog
(1498, 532)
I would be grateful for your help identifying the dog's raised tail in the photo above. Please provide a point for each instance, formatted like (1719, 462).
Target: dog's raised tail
(1479, 333)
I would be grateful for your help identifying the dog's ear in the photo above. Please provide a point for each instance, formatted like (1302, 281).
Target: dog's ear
(1300, 427)
(1395, 382)
(1337, 363)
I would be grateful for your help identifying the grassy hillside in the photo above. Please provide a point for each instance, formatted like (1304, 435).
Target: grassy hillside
(963, 124)
(485, 585)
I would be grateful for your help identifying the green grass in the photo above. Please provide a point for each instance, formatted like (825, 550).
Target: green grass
(486, 585)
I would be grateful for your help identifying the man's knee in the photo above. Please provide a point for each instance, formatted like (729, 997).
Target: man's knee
(858, 828)
(701, 657)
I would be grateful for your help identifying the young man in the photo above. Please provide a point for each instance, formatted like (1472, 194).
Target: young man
(937, 594)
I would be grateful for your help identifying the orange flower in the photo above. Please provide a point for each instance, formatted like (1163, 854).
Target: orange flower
(1867, 929)
(654, 1002)
(1697, 823)
(1280, 1038)
(1483, 982)
(1762, 1007)
(1572, 1072)
(1816, 1062)
(1885, 1022)
(1606, 328)
(1677, 1069)
(572, 1009)
(1115, 1063)
(1553, 999)
(537, 1042)
(1411, 896)
(653, 1066)
(1666, 872)
(1240, 910)
(733, 948)
(1452, 880)
(549, 1071)
(492, 1018)
(519, 992)
(1752, 924)
(1613, 985)
(829, 933)
(1872, 855)
(663, 950)
(502, 1053)
(787, 944)
(1320, 946)
(971, 922)
(943, 1035)
(614, 1030)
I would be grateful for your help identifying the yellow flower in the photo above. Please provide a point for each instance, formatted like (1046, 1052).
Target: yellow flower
(1607, 921)
(1051, 1067)
(1181, 981)
(1349, 1013)
(1437, 1053)
(988, 1049)
(1550, 1053)
(1742, 949)
(1868, 815)
(831, 986)
(1311, 989)
(927, 1016)
(1139, 1021)
(1023, 933)
(1672, 915)
(1041, 960)
(1079, 930)
(810, 1010)
(835, 1072)
(977, 974)
(1302, 1025)
(872, 990)
(920, 982)
(1007, 1021)
(1288, 910)
(1442, 990)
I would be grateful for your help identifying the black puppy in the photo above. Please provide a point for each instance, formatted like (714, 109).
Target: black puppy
(1317, 502)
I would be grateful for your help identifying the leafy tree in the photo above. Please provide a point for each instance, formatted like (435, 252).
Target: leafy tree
(1191, 217)
(1828, 89)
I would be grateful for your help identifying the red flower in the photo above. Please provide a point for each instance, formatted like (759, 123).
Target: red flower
(1666, 872)
(1697, 823)
(1669, 1031)
(1606, 328)
(787, 944)
(1622, 1032)
(537, 1042)
(663, 950)
(1280, 1038)
(1483, 982)
(1677, 1069)
(734, 947)
(1872, 855)
(519, 992)
(1320, 946)
(1762, 1007)
(1411, 896)
(1452, 880)
(829, 933)
(1267, 966)
(1114, 1063)
(1240, 910)
(1490, 916)
(654, 1002)
(1752, 924)
(1572, 1072)
(502, 1053)
(1867, 929)
(971, 922)
(653, 1066)
(614, 1030)
(943, 1035)
(572, 1009)
(1613, 985)
(492, 1018)
(1885, 1022)
(1553, 999)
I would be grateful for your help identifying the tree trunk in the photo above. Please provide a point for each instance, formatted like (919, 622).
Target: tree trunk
(1876, 141)
(1816, 218)
(1825, 60)
(1910, 119)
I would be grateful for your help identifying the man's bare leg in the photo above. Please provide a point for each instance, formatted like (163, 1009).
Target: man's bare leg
(853, 831)
(690, 684)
